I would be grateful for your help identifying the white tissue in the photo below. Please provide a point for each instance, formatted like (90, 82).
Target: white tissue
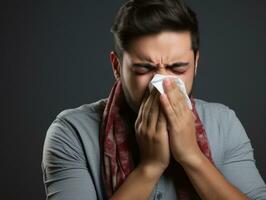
(157, 82)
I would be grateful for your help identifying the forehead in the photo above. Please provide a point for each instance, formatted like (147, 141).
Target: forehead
(162, 47)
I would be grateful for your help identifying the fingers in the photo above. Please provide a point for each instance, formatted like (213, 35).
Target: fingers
(154, 112)
(175, 96)
(145, 96)
(144, 108)
(161, 124)
(168, 110)
(144, 99)
(147, 106)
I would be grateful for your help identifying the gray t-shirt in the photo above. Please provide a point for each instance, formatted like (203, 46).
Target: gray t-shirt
(71, 154)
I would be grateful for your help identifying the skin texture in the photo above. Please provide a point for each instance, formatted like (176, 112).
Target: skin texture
(164, 125)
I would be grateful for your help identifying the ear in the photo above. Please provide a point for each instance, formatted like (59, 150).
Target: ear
(115, 64)
(196, 62)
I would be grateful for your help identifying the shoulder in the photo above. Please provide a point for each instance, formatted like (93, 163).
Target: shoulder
(78, 122)
(208, 106)
(219, 115)
(214, 111)
(92, 111)
(223, 124)
(71, 153)
(75, 131)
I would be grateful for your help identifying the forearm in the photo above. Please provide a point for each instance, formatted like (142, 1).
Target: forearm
(138, 185)
(209, 182)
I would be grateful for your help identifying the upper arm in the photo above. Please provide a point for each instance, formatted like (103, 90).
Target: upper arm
(239, 163)
(65, 172)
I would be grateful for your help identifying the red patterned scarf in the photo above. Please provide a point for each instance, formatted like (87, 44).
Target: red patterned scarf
(116, 154)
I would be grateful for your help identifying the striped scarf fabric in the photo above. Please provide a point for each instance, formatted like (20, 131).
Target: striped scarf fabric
(116, 155)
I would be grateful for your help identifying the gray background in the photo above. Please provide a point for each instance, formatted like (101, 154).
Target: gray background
(55, 55)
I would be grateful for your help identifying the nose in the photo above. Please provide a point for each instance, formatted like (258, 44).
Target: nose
(161, 70)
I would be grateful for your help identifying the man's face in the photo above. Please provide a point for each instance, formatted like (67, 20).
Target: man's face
(167, 53)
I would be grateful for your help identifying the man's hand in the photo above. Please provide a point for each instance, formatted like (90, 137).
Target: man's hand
(151, 134)
(180, 124)
(157, 135)
(152, 138)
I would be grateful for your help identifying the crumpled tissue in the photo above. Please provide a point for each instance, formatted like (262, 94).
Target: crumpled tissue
(157, 82)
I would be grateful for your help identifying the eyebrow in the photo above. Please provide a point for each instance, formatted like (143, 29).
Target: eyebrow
(176, 64)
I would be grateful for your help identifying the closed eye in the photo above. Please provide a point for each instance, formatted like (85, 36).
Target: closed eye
(143, 68)
(179, 64)
(178, 67)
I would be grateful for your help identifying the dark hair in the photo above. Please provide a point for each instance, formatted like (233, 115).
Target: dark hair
(143, 17)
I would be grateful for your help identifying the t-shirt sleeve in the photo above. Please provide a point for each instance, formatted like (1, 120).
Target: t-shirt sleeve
(239, 166)
(65, 172)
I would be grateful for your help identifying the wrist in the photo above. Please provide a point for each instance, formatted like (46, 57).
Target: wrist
(193, 160)
(151, 172)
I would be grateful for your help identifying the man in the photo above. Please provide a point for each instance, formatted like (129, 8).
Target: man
(140, 144)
